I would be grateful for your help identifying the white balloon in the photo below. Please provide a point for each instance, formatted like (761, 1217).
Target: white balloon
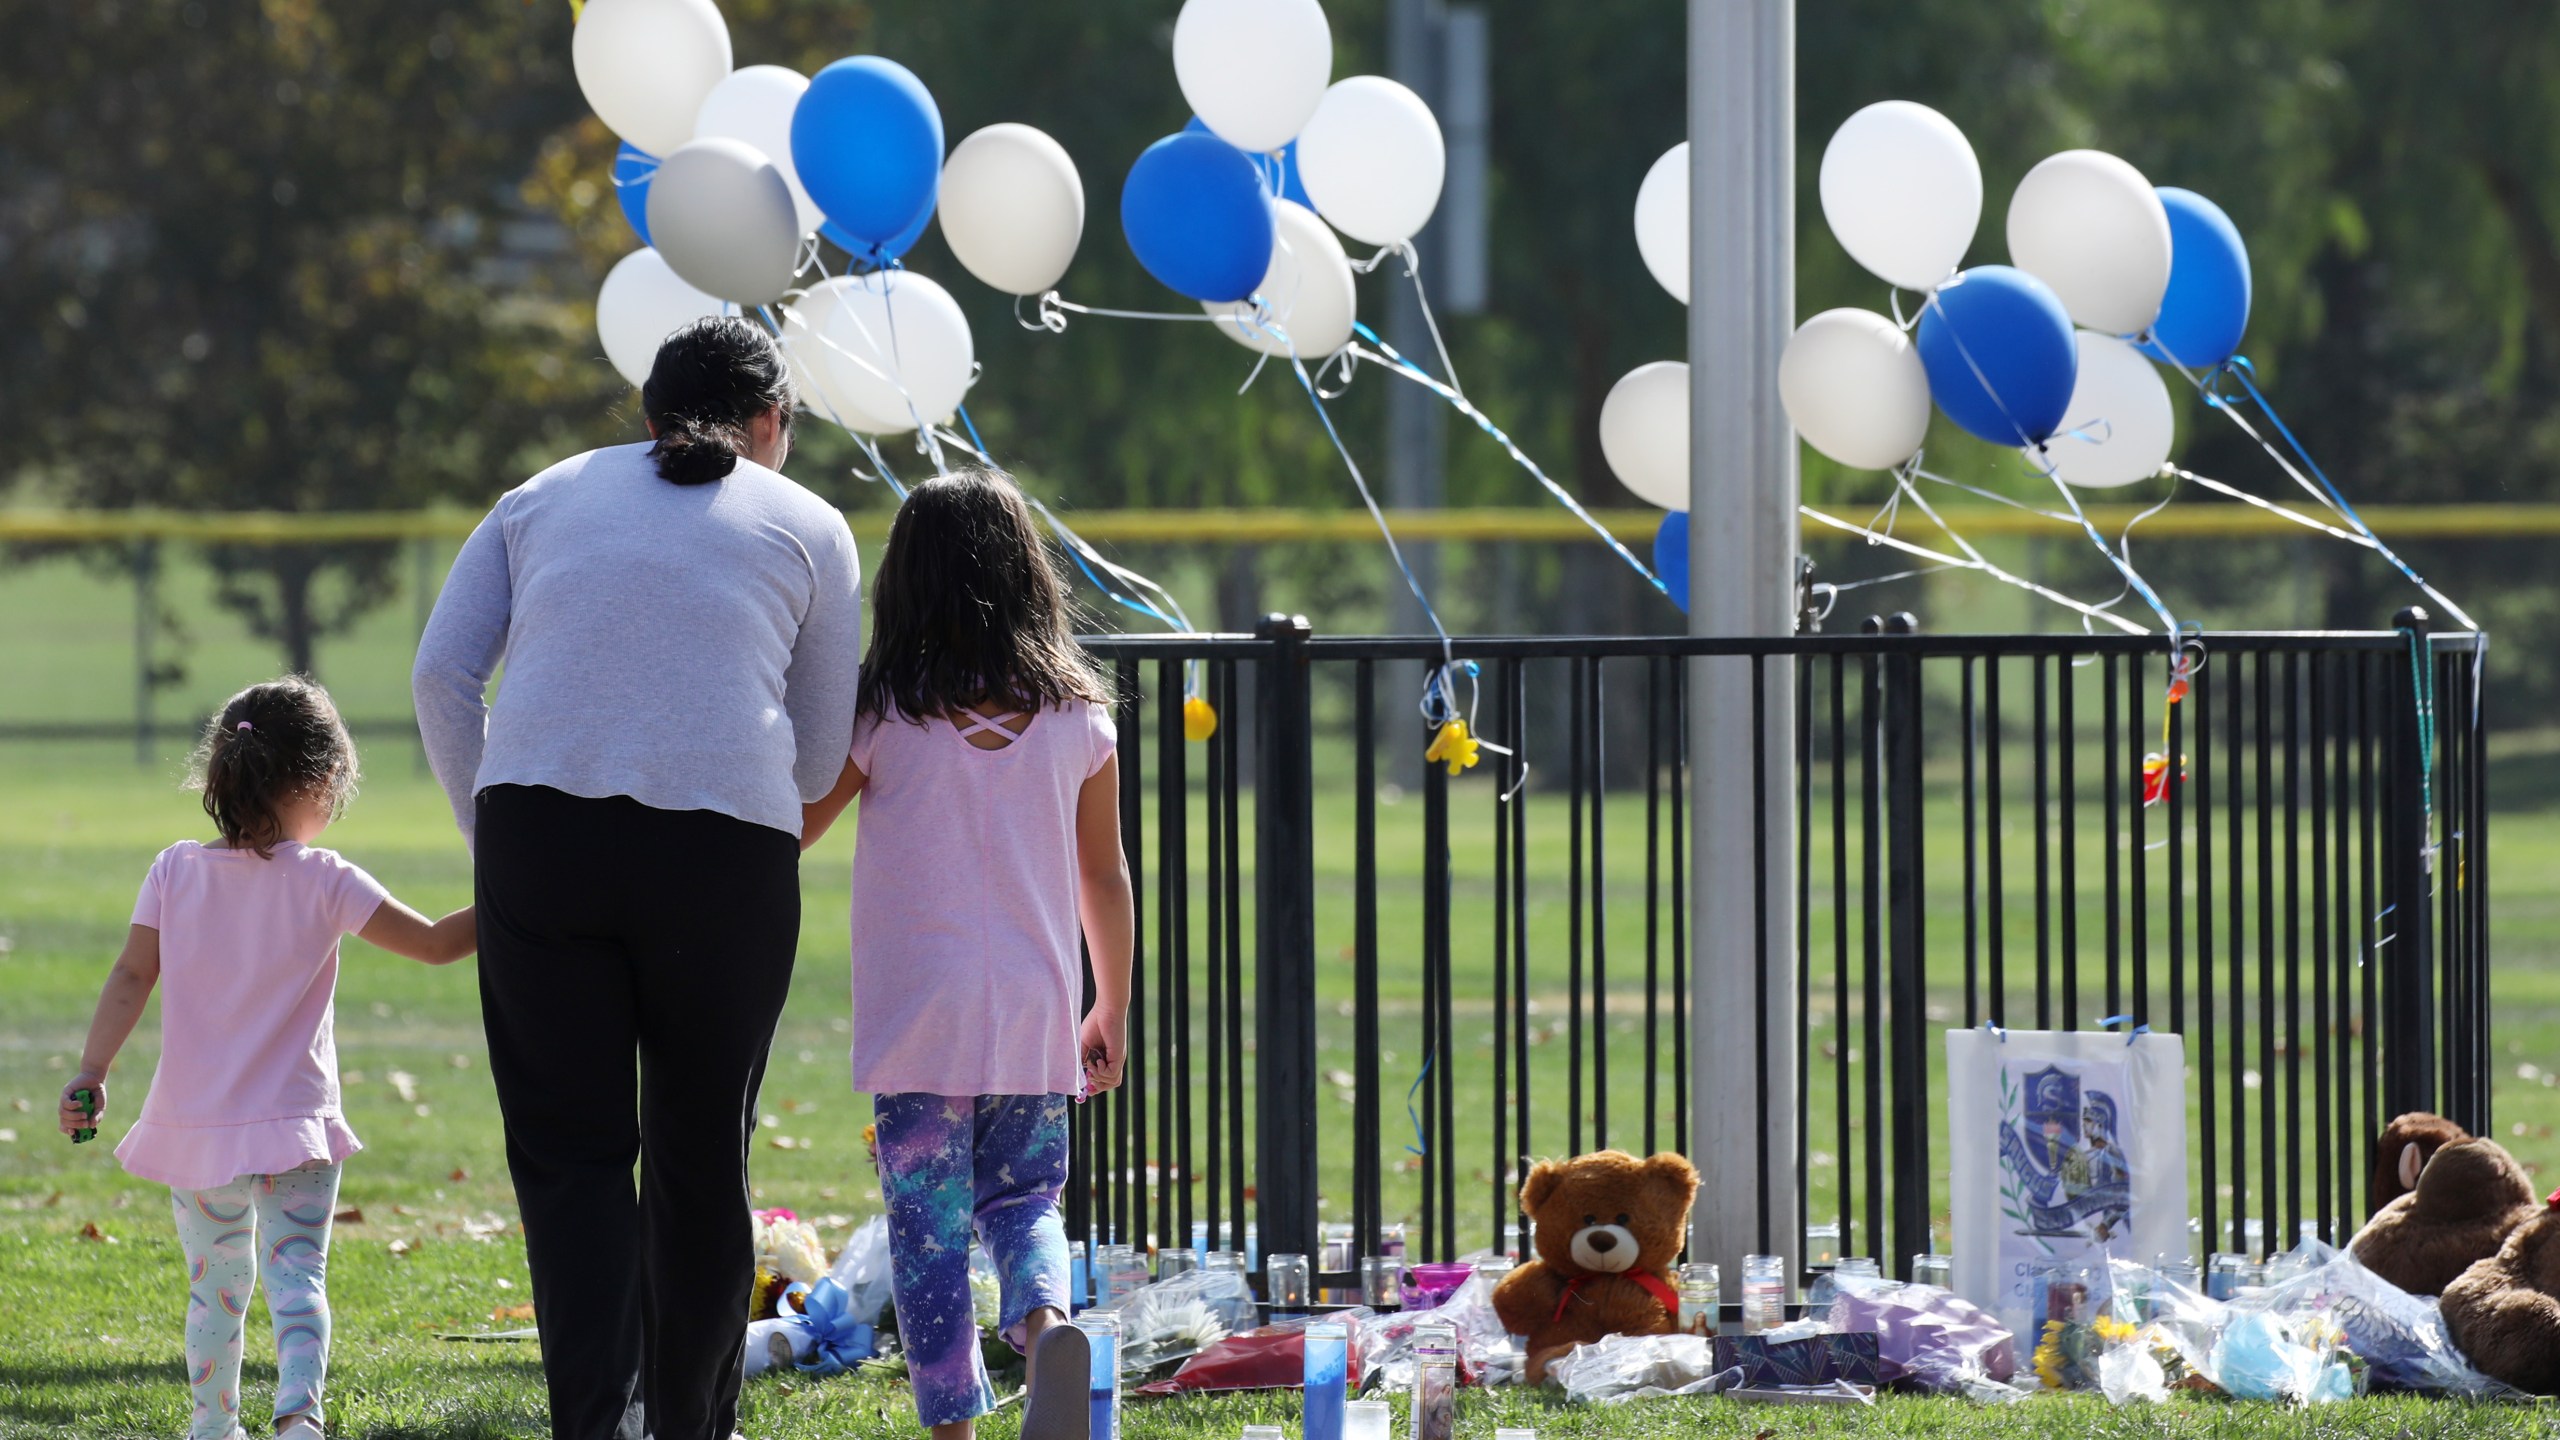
(1902, 191)
(1853, 385)
(645, 66)
(721, 213)
(2088, 224)
(873, 352)
(641, 304)
(1372, 160)
(1662, 221)
(1012, 208)
(1644, 432)
(2120, 424)
(1252, 70)
(754, 105)
(1308, 287)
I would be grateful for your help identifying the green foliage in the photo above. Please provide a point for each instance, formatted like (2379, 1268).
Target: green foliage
(311, 256)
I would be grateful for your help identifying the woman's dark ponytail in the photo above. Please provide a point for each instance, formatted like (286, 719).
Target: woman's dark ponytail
(710, 381)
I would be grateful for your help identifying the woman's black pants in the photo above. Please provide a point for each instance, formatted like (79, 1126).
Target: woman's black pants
(633, 963)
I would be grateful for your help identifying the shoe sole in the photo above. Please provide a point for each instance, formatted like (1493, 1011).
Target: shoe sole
(1060, 1374)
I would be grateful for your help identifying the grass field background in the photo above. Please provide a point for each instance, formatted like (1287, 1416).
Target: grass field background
(89, 1292)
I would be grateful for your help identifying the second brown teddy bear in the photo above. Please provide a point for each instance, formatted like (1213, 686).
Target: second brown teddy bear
(2505, 1311)
(2468, 1198)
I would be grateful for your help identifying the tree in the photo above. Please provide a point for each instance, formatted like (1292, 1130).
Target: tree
(269, 256)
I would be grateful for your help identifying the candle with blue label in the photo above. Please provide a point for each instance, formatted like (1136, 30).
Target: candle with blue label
(1328, 1380)
(1102, 1334)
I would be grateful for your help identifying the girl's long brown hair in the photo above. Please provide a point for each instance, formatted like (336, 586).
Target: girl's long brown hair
(968, 608)
(267, 745)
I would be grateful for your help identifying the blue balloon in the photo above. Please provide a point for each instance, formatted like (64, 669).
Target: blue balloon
(1197, 216)
(2004, 326)
(1279, 172)
(1671, 557)
(2207, 307)
(867, 141)
(633, 168)
(881, 254)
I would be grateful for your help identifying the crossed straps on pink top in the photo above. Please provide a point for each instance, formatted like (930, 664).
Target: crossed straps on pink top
(973, 723)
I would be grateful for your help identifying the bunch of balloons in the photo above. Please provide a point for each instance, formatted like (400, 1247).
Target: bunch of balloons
(2050, 353)
(2047, 353)
(1239, 209)
(728, 175)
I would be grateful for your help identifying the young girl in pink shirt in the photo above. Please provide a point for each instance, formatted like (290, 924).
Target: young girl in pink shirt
(990, 841)
(242, 1121)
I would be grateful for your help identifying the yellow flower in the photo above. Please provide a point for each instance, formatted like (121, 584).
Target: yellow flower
(1454, 747)
(1199, 719)
(2048, 1356)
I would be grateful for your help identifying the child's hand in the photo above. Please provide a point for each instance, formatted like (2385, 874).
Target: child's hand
(1103, 1041)
(74, 1116)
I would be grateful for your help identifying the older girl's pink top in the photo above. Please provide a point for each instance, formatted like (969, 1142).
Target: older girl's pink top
(967, 968)
(248, 1076)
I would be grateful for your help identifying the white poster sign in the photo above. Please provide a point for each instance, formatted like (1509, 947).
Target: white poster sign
(2068, 1149)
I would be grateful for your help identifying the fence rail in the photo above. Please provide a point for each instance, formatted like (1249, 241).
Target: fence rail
(2303, 897)
(2203, 520)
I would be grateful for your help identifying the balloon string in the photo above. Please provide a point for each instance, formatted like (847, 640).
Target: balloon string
(1054, 311)
(1430, 322)
(1439, 703)
(1971, 560)
(2239, 368)
(1396, 364)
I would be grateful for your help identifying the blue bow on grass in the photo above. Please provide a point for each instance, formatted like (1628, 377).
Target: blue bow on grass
(834, 1340)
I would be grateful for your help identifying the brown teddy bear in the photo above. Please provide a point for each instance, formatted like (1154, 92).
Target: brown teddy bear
(2407, 1144)
(2469, 1196)
(2505, 1311)
(1608, 1227)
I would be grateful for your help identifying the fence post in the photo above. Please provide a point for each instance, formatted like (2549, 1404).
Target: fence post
(1905, 900)
(2408, 864)
(1285, 944)
(146, 603)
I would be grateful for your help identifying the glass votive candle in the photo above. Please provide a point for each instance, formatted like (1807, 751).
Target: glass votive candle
(1170, 1263)
(1821, 1245)
(1079, 1276)
(1264, 1432)
(1764, 1293)
(1229, 1261)
(1367, 1420)
(1382, 1282)
(2222, 1275)
(1435, 1382)
(1938, 1270)
(1701, 1297)
(1328, 1371)
(1102, 1334)
(1285, 1282)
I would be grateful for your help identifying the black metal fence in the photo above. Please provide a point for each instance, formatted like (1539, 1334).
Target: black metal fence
(2286, 866)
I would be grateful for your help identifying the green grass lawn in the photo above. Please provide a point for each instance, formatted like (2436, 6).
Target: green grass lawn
(88, 1332)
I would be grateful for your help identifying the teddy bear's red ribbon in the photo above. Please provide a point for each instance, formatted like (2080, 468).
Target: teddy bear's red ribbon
(1652, 1285)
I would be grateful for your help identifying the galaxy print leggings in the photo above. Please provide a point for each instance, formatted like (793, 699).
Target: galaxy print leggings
(273, 1228)
(951, 1165)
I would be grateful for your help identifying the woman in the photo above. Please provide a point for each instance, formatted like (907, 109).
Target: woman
(680, 626)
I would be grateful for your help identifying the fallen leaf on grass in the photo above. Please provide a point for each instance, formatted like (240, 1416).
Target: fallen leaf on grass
(402, 1210)
(91, 1231)
(459, 1175)
(403, 1247)
(512, 1312)
(786, 1142)
(352, 1215)
(53, 1199)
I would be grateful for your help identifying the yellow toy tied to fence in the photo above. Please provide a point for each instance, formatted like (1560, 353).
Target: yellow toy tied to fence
(1453, 747)
(1199, 719)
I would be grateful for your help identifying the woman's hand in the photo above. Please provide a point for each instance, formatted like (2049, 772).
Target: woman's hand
(76, 1116)
(1103, 1041)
